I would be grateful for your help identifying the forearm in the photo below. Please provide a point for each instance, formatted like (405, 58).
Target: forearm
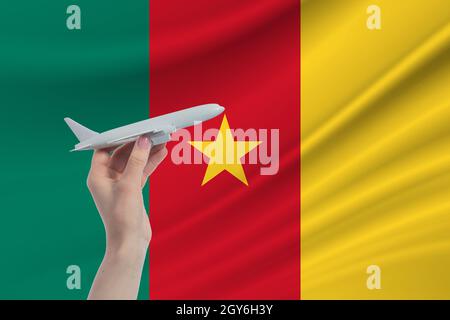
(115, 182)
(119, 275)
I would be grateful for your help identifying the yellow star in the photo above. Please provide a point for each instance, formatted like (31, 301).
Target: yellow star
(224, 153)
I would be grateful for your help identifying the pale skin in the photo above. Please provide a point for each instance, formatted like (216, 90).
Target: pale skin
(115, 182)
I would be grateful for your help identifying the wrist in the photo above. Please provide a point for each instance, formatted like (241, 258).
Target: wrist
(129, 250)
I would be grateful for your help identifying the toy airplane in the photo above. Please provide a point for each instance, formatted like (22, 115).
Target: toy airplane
(158, 129)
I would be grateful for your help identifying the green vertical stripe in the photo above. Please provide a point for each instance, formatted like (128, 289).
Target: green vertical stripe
(98, 76)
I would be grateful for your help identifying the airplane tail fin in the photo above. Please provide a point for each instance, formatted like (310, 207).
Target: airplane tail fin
(81, 132)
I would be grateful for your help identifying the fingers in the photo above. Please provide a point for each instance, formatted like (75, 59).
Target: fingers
(100, 159)
(153, 162)
(138, 159)
(156, 148)
(120, 157)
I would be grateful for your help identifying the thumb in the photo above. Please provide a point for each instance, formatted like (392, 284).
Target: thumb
(137, 160)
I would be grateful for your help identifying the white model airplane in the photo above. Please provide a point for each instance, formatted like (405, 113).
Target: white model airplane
(158, 129)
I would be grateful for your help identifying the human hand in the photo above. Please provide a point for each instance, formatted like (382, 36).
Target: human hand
(115, 182)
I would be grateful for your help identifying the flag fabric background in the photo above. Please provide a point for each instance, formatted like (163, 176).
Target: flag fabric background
(375, 149)
(367, 113)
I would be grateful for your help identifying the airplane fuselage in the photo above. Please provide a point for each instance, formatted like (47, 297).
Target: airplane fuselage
(158, 128)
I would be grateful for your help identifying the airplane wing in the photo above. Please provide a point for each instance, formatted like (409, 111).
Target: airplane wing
(162, 131)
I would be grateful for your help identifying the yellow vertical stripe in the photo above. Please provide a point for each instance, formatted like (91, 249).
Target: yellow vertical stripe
(375, 149)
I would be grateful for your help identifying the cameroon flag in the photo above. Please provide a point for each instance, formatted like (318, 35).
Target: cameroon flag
(326, 177)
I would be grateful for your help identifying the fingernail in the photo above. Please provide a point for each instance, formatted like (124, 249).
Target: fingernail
(144, 142)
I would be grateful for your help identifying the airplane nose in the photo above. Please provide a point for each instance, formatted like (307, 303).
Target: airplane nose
(212, 109)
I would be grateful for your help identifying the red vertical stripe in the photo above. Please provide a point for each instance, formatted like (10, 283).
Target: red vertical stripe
(226, 240)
